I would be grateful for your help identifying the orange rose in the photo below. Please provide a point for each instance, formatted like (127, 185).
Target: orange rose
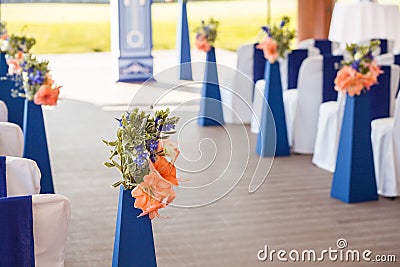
(152, 194)
(47, 95)
(165, 169)
(13, 66)
(270, 49)
(374, 68)
(170, 149)
(369, 79)
(202, 43)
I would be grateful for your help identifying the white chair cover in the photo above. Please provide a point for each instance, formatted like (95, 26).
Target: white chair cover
(301, 105)
(23, 176)
(330, 118)
(11, 140)
(386, 149)
(237, 96)
(51, 218)
(385, 59)
(257, 106)
(3, 111)
(259, 91)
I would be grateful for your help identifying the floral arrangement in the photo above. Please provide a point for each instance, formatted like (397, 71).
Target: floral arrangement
(145, 157)
(32, 76)
(37, 82)
(276, 40)
(206, 34)
(360, 72)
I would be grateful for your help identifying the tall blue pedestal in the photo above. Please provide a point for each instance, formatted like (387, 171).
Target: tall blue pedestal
(211, 113)
(15, 105)
(183, 44)
(270, 142)
(35, 144)
(133, 243)
(354, 177)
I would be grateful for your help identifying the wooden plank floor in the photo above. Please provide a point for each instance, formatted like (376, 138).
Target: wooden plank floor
(291, 210)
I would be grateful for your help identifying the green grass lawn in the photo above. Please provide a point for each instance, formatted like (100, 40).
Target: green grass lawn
(73, 28)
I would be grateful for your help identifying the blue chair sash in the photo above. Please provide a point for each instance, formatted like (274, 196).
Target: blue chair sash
(295, 58)
(324, 46)
(397, 62)
(258, 64)
(384, 46)
(330, 69)
(16, 224)
(379, 96)
(3, 181)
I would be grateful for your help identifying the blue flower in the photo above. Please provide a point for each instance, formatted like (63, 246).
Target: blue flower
(153, 146)
(369, 56)
(168, 127)
(283, 22)
(141, 155)
(120, 121)
(356, 65)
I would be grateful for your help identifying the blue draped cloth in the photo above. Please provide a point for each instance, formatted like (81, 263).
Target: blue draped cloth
(330, 69)
(3, 181)
(16, 224)
(258, 64)
(295, 58)
(379, 96)
(324, 46)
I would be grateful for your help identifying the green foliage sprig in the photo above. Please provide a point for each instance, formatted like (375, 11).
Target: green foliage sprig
(281, 34)
(137, 142)
(208, 30)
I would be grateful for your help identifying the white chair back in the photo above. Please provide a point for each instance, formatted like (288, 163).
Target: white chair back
(309, 88)
(396, 137)
(257, 106)
(51, 219)
(394, 85)
(23, 177)
(385, 59)
(11, 140)
(237, 91)
(3, 111)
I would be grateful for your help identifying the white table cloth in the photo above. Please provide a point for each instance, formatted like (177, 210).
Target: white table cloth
(357, 22)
